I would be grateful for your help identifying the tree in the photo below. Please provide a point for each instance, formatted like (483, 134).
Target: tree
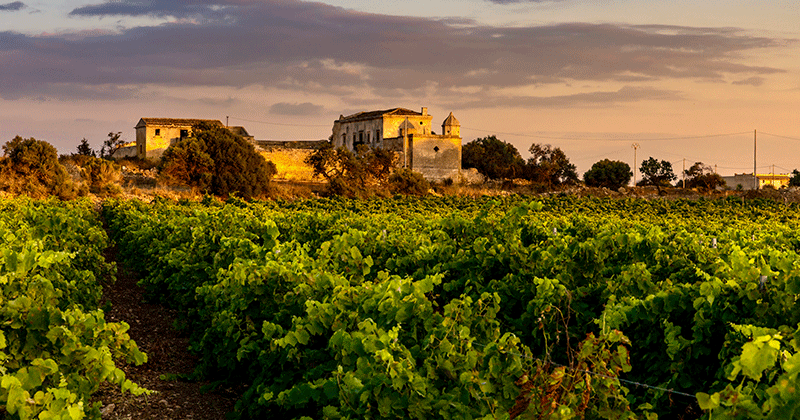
(611, 174)
(188, 162)
(658, 174)
(493, 158)
(84, 149)
(113, 142)
(31, 167)
(550, 166)
(215, 160)
(351, 173)
(701, 176)
(794, 181)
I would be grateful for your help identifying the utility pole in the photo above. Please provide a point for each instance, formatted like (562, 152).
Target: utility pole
(635, 148)
(226, 121)
(755, 177)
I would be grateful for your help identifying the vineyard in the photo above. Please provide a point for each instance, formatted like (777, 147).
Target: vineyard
(420, 308)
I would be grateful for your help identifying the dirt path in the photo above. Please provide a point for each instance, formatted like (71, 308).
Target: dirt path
(166, 348)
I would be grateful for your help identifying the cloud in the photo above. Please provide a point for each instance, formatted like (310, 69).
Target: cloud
(318, 49)
(626, 94)
(159, 8)
(12, 7)
(294, 109)
(752, 81)
(519, 1)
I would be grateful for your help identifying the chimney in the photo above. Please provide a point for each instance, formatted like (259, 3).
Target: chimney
(424, 111)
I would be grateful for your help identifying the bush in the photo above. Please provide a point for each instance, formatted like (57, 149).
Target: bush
(31, 167)
(102, 177)
(493, 158)
(611, 174)
(406, 181)
(549, 166)
(216, 161)
(351, 174)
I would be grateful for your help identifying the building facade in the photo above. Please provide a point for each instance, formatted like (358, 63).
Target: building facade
(408, 133)
(748, 182)
(155, 135)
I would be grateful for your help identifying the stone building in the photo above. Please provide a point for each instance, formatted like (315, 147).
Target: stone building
(408, 133)
(748, 182)
(154, 135)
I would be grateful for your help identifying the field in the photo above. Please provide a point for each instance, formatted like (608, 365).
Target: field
(450, 308)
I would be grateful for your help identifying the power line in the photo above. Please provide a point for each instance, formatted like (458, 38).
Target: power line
(607, 138)
(783, 137)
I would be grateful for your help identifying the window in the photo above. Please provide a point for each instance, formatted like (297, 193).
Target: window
(158, 131)
(184, 133)
(377, 136)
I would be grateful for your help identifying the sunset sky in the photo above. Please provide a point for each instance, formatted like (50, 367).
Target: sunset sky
(683, 79)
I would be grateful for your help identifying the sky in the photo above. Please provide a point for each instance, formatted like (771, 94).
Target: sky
(686, 81)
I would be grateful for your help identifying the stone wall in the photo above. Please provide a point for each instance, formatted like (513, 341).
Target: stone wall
(436, 157)
(289, 157)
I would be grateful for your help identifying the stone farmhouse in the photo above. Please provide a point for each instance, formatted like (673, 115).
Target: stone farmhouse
(154, 135)
(408, 133)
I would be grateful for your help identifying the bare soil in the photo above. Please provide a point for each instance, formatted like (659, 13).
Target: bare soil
(152, 327)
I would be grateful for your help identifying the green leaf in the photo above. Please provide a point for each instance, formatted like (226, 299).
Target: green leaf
(758, 356)
(707, 402)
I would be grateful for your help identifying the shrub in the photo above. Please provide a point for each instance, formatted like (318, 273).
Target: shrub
(493, 158)
(102, 177)
(611, 174)
(216, 161)
(351, 174)
(406, 181)
(31, 167)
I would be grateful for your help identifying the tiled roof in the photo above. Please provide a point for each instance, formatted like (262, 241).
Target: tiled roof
(368, 115)
(175, 122)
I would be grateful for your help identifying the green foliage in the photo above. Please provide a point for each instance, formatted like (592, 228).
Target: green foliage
(611, 174)
(406, 181)
(794, 181)
(187, 162)
(658, 174)
(549, 166)
(216, 161)
(769, 365)
(493, 158)
(351, 174)
(702, 177)
(55, 346)
(31, 167)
